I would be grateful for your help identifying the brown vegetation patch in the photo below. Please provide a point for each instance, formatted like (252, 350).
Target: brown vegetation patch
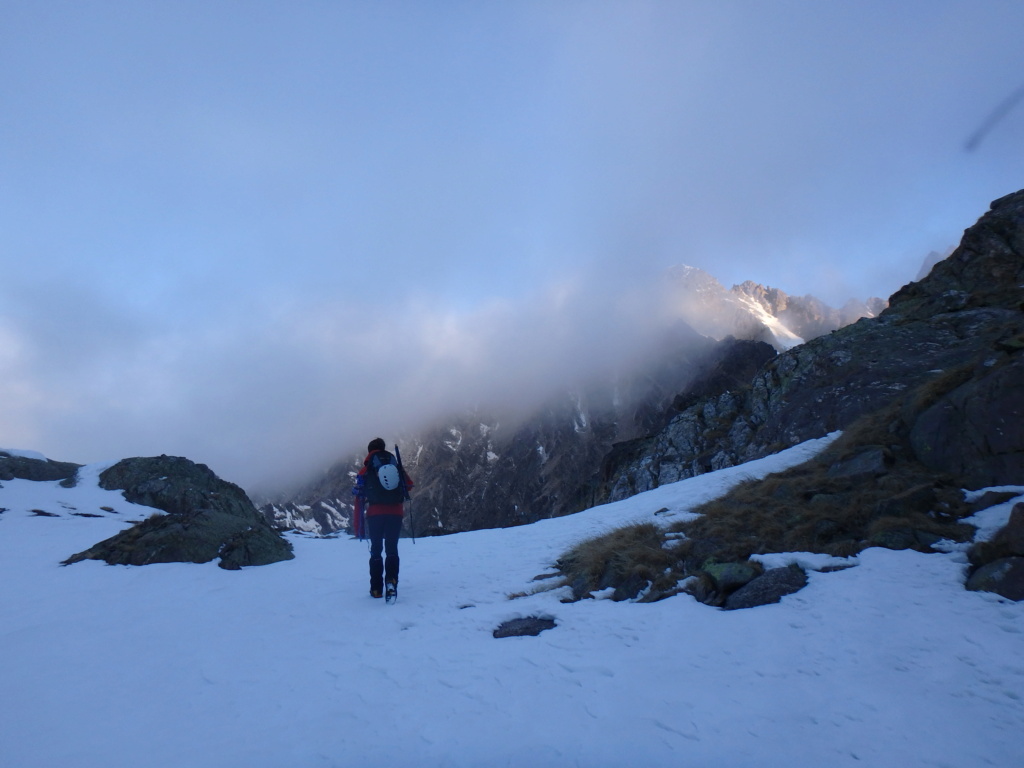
(866, 489)
(809, 509)
(626, 559)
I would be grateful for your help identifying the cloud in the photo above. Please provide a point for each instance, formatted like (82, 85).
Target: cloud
(268, 398)
(257, 243)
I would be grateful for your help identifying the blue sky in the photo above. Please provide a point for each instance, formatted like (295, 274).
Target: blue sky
(217, 218)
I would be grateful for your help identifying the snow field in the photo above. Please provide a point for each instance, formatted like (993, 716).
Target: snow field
(889, 663)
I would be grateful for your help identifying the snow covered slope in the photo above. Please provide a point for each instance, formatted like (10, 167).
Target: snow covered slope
(890, 663)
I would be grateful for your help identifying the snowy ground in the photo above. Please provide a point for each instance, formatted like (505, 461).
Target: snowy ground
(890, 663)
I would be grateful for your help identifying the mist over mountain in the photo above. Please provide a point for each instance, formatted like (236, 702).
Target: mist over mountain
(509, 460)
(737, 374)
(939, 370)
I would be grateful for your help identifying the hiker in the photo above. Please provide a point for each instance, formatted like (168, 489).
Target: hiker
(381, 488)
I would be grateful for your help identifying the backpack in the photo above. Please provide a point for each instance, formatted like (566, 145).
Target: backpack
(384, 482)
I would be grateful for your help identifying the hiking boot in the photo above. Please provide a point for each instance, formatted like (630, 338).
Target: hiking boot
(376, 593)
(392, 591)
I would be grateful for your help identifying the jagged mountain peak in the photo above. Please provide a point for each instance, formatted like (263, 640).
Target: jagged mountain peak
(751, 310)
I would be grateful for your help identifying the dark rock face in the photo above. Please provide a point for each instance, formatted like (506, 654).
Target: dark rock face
(22, 468)
(976, 432)
(769, 587)
(1004, 577)
(734, 364)
(986, 270)
(206, 518)
(872, 461)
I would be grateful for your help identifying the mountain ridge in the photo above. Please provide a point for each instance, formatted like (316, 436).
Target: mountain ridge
(963, 320)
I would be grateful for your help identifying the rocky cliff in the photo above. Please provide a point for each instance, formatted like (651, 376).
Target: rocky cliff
(951, 340)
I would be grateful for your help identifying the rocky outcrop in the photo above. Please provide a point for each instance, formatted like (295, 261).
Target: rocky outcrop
(206, 518)
(1004, 577)
(985, 271)
(326, 515)
(40, 470)
(770, 587)
(960, 330)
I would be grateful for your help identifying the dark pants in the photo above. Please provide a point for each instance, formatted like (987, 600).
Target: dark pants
(384, 531)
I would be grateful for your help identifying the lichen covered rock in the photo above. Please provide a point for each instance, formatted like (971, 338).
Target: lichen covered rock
(206, 518)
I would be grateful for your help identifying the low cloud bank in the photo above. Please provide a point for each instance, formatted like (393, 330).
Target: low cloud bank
(268, 398)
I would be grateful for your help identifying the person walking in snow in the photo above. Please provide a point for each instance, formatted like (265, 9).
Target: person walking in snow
(381, 488)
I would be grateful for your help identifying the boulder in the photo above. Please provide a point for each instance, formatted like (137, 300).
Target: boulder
(729, 577)
(894, 538)
(39, 470)
(700, 551)
(531, 626)
(1010, 537)
(769, 587)
(991, 498)
(870, 462)
(1004, 577)
(206, 518)
(1007, 542)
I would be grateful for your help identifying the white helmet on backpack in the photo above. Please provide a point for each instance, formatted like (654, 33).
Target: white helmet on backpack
(389, 476)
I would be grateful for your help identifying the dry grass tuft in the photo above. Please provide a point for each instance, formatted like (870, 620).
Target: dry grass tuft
(626, 559)
(807, 509)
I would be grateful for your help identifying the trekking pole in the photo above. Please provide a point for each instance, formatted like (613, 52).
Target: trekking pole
(405, 492)
(412, 522)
